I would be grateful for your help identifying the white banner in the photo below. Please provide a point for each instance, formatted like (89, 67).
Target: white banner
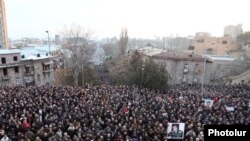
(208, 102)
(229, 109)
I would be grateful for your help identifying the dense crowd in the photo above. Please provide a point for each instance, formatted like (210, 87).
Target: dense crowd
(116, 113)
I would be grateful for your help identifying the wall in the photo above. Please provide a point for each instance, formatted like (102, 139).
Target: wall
(219, 46)
(220, 69)
(10, 66)
(175, 68)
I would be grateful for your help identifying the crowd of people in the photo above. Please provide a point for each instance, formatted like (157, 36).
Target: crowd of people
(116, 113)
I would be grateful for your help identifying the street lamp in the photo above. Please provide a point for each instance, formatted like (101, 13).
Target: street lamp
(50, 63)
(204, 69)
(142, 69)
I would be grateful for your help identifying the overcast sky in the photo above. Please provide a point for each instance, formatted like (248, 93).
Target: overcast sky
(143, 18)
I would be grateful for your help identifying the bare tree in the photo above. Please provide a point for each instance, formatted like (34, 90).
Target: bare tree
(123, 43)
(78, 51)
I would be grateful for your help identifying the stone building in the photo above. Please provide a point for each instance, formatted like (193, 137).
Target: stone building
(26, 66)
(182, 67)
(10, 73)
(206, 44)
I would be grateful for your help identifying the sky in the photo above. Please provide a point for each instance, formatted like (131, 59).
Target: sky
(142, 18)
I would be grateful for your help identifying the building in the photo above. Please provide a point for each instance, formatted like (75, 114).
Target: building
(57, 39)
(233, 31)
(27, 66)
(189, 68)
(4, 41)
(219, 67)
(206, 44)
(181, 66)
(10, 73)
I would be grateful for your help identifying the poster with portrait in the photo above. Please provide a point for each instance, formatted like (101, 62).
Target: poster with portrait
(175, 130)
(208, 102)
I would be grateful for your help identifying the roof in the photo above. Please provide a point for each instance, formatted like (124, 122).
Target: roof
(6, 51)
(150, 51)
(30, 53)
(171, 55)
(220, 58)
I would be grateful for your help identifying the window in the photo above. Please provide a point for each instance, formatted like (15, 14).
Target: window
(16, 69)
(5, 71)
(38, 77)
(196, 70)
(3, 60)
(200, 41)
(15, 58)
(224, 42)
(191, 48)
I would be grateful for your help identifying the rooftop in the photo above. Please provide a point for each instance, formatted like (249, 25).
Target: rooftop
(178, 56)
(220, 58)
(31, 52)
(6, 51)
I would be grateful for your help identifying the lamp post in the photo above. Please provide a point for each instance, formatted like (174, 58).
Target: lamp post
(142, 69)
(202, 85)
(49, 53)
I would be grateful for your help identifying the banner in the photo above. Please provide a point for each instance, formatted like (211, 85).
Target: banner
(229, 109)
(175, 130)
(208, 102)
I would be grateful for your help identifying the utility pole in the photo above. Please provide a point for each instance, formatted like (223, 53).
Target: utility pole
(50, 63)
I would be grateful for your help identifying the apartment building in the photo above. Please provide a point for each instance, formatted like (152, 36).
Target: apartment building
(206, 44)
(26, 66)
(10, 73)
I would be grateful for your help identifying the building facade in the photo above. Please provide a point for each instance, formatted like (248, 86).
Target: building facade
(10, 73)
(4, 41)
(182, 68)
(20, 67)
(206, 44)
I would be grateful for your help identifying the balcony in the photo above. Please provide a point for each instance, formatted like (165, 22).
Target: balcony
(8, 65)
(29, 73)
(5, 77)
(46, 70)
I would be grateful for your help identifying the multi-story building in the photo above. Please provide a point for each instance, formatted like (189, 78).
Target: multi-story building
(206, 44)
(4, 42)
(233, 31)
(26, 66)
(182, 67)
(57, 39)
(10, 73)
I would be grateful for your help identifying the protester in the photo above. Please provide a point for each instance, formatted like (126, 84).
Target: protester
(116, 113)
